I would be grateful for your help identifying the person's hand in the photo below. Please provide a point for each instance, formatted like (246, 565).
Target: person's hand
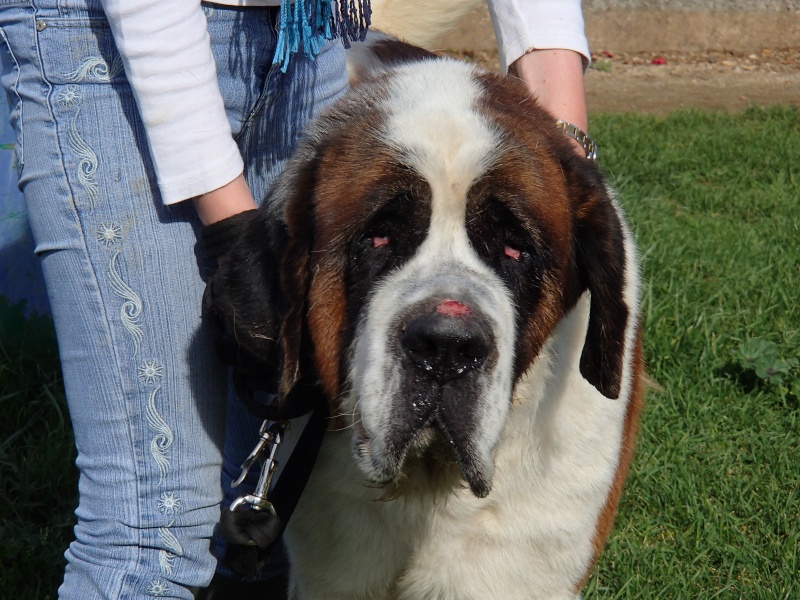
(229, 200)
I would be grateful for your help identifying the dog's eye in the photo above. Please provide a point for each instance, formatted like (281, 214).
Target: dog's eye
(512, 252)
(380, 240)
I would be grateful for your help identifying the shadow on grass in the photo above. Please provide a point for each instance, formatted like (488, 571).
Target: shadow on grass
(750, 383)
(746, 380)
(38, 479)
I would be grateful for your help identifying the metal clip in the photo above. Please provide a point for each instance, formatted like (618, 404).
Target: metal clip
(270, 437)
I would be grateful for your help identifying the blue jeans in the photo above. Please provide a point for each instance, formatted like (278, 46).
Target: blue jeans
(125, 277)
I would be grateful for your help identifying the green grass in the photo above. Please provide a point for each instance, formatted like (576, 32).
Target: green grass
(712, 505)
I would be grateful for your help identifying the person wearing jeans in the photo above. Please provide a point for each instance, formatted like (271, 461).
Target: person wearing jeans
(125, 279)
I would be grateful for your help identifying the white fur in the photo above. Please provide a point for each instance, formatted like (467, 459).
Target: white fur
(361, 60)
(432, 122)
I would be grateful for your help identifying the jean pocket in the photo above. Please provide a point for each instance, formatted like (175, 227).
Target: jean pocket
(78, 51)
(91, 104)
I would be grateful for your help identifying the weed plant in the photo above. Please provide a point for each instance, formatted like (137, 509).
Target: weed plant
(712, 505)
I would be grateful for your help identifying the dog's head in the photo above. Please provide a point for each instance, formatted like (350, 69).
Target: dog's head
(415, 256)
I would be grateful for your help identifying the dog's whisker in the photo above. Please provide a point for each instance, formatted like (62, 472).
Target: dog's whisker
(345, 427)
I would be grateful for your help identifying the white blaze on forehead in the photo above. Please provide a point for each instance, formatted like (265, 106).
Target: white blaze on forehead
(433, 123)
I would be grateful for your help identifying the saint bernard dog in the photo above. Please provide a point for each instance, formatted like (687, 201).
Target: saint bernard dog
(464, 288)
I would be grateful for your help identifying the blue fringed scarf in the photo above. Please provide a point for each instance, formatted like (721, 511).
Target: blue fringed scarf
(307, 24)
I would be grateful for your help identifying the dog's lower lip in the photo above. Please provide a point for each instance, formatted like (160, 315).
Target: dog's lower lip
(361, 432)
(362, 438)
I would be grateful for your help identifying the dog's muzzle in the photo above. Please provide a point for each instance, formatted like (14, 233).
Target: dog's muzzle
(445, 354)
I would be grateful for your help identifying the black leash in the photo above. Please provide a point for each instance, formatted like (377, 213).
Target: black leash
(255, 522)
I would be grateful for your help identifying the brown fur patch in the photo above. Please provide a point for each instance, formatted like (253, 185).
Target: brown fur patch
(530, 169)
(342, 201)
(586, 237)
(394, 52)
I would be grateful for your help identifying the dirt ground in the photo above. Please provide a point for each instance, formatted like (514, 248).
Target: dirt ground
(658, 83)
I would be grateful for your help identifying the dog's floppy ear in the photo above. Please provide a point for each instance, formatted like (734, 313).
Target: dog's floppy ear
(296, 190)
(601, 259)
(255, 301)
(241, 307)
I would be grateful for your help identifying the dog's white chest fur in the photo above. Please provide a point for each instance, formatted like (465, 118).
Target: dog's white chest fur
(530, 538)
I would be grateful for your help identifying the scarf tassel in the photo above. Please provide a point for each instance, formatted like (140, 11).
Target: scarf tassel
(306, 25)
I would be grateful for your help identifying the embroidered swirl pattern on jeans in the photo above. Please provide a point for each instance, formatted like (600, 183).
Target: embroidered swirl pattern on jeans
(163, 439)
(131, 308)
(173, 549)
(149, 372)
(87, 166)
(95, 69)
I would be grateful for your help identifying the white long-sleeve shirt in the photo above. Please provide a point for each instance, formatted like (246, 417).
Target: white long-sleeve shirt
(524, 25)
(165, 49)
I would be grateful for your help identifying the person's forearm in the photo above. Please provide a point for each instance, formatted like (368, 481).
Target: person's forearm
(555, 77)
(166, 52)
(230, 199)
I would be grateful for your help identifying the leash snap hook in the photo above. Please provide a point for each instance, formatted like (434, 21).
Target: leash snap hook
(270, 438)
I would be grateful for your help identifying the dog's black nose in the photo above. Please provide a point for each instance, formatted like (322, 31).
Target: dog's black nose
(447, 343)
